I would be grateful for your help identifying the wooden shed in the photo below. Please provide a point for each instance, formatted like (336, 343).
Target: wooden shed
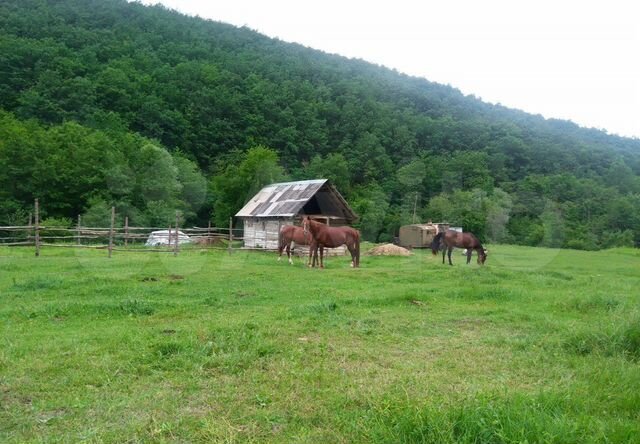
(285, 203)
(420, 235)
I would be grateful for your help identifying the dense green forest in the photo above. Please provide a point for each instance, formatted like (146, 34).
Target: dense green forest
(107, 102)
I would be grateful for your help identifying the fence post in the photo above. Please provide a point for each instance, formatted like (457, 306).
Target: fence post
(113, 220)
(30, 227)
(126, 231)
(230, 233)
(169, 238)
(209, 240)
(176, 247)
(37, 227)
(78, 231)
(279, 227)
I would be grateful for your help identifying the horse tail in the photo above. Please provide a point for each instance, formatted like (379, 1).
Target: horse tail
(435, 243)
(357, 247)
(281, 240)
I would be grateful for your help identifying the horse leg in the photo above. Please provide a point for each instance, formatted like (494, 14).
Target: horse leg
(289, 253)
(449, 250)
(321, 256)
(350, 248)
(356, 253)
(469, 251)
(444, 251)
(314, 249)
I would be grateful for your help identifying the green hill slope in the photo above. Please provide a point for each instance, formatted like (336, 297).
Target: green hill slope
(211, 92)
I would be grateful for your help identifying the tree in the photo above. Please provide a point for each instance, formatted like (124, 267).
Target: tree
(484, 214)
(333, 167)
(498, 214)
(193, 185)
(155, 173)
(554, 226)
(232, 187)
(467, 170)
(371, 204)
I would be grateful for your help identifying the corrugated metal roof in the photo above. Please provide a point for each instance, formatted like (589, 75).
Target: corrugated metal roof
(281, 199)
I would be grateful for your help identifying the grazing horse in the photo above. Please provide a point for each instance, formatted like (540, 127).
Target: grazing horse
(448, 239)
(289, 234)
(332, 237)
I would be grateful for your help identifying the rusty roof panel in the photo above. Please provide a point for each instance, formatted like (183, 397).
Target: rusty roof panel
(288, 198)
(281, 199)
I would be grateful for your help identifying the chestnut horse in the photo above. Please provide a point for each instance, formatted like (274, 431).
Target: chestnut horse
(448, 239)
(289, 234)
(332, 237)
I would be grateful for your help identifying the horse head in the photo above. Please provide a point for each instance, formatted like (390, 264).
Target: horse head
(482, 257)
(305, 225)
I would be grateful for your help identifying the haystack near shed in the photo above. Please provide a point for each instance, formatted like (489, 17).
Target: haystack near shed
(285, 203)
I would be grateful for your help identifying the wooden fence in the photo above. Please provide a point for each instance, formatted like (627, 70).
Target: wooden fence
(120, 237)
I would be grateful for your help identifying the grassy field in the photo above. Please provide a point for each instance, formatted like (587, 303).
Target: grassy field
(538, 346)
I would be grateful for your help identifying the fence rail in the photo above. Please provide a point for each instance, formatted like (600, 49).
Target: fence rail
(170, 239)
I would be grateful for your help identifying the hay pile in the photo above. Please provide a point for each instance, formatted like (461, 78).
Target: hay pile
(389, 250)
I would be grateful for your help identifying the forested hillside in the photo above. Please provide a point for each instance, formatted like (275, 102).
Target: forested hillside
(106, 102)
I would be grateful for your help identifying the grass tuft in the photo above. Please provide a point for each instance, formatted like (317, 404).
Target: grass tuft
(38, 283)
(618, 340)
(134, 307)
(482, 419)
(592, 303)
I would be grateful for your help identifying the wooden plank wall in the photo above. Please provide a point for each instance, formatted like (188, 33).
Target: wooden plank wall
(264, 234)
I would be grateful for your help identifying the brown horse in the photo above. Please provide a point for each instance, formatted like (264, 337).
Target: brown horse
(289, 234)
(446, 240)
(332, 237)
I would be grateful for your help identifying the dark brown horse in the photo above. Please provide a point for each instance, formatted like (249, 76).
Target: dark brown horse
(446, 240)
(332, 237)
(289, 234)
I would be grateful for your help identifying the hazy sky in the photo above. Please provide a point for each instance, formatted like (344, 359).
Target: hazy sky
(564, 59)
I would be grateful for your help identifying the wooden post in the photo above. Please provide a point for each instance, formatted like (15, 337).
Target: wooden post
(113, 221)
(29, 228)
(230, 233)
(78, 240)
(176, 246)
(37, 227)
(169, 238)
(209, 234)
(278, 237)
(126, 231)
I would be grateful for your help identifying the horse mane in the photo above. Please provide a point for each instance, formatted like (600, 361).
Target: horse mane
(477, 240)
(435, 243)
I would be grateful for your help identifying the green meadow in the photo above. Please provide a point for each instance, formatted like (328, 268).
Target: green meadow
(539, 345)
